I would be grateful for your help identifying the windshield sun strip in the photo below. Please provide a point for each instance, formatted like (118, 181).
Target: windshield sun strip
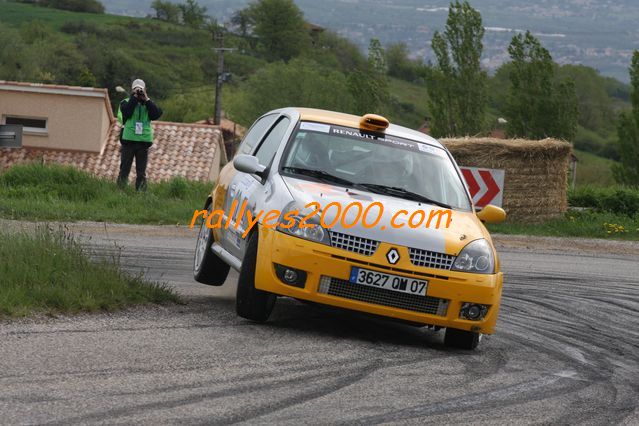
(369, 136)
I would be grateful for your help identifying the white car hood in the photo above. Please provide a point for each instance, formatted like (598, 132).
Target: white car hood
(304, 192)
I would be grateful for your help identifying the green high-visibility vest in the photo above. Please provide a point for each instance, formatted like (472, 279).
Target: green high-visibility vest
(140, 115)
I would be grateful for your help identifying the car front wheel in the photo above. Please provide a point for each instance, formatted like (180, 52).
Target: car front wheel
(251, 303)
(207, 267)
(461, 339)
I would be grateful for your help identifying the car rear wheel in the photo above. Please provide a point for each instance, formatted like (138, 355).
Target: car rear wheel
(250, 302)
(207, 267)
(461, 339)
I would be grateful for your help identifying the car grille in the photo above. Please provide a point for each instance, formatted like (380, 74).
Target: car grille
(355, 244)
(430, 259)
(410, 302)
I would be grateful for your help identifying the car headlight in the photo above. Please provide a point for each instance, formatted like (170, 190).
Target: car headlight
(476, 257)
(290, 222)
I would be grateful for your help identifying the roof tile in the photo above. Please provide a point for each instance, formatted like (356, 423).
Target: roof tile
(186, 150)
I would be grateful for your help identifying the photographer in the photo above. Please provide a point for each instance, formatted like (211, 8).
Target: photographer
(135, 114)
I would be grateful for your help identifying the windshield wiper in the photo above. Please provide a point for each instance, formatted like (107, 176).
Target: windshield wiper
(319, 174)
(394, 190)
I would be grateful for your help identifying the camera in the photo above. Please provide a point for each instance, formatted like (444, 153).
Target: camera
(139, 92)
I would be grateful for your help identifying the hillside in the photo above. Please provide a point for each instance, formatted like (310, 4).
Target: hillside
(599, 34)
(177, 62)
(601, 98)
(53, 46)
(593, 170)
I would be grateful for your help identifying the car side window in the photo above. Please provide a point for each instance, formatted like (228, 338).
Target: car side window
(269, 146)
(256, 133)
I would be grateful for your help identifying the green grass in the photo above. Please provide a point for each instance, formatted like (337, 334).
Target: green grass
(611, 213)
(52, 192)
(413, 103)
(16, 14)
(593, 170)
(578, 224)
(49, 272)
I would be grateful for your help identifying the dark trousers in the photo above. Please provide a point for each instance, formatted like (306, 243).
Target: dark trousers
(129, 151)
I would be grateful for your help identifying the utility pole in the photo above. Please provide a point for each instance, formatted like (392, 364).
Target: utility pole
(220, 77)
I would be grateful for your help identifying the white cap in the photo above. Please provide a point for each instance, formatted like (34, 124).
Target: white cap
(138, 84)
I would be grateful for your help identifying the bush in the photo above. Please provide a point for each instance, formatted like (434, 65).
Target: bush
(589, 141)
(87, 6)
(77, 27)
(618, 200)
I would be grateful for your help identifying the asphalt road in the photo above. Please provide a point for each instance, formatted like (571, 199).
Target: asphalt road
(566, 351)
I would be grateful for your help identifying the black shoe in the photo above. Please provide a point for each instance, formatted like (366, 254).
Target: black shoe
(122, 182)
(140, 185)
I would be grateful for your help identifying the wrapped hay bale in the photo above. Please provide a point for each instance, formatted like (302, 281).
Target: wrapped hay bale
(536, 172)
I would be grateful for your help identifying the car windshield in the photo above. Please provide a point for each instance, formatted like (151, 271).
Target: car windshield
(378, 163)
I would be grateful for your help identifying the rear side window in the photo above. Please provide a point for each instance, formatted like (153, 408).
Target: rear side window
(268, 148)
(256, 133)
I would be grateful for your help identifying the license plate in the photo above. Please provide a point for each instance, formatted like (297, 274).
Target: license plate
(388, 281)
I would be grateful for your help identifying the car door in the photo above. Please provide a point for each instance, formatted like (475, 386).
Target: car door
(246, 191)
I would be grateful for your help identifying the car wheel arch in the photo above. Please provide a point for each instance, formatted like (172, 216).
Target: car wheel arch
(208, 202)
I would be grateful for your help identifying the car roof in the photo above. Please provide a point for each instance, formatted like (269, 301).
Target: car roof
(350, 120)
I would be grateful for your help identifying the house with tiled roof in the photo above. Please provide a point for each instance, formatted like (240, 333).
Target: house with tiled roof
(75, 126)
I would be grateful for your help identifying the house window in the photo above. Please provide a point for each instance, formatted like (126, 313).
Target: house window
(29, 124)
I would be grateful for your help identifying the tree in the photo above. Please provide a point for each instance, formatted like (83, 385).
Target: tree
(242, 22)
(16, 60)
(595, 105)
(166, 11)
(330, 49)
(36, 53)
(400, 65)
(369, 86)
(280, 28)
(457, 84)
(193, 15)
(537, 107)
(627, 171)
(566, 107)
(301, 83)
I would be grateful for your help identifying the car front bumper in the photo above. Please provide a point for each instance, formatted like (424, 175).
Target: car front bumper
(327, 282)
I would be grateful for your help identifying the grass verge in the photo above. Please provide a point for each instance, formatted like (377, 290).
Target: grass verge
(578, 224)
(52, 192)
(49, 272)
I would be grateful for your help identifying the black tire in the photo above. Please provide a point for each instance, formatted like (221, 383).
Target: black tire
(207, 267)
(251, 303)
(461, 339)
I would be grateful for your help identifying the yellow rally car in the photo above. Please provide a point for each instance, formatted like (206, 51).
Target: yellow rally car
(355, 213)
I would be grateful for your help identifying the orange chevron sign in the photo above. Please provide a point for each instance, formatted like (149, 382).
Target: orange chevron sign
(486, 186)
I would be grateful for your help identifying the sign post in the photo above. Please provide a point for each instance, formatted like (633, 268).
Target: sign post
(486, 186)
(11, 136)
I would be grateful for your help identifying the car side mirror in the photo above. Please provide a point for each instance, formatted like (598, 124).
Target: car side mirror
(492, 214)
(249, 164)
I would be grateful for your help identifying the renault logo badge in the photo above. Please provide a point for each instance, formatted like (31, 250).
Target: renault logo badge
(392, 256)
